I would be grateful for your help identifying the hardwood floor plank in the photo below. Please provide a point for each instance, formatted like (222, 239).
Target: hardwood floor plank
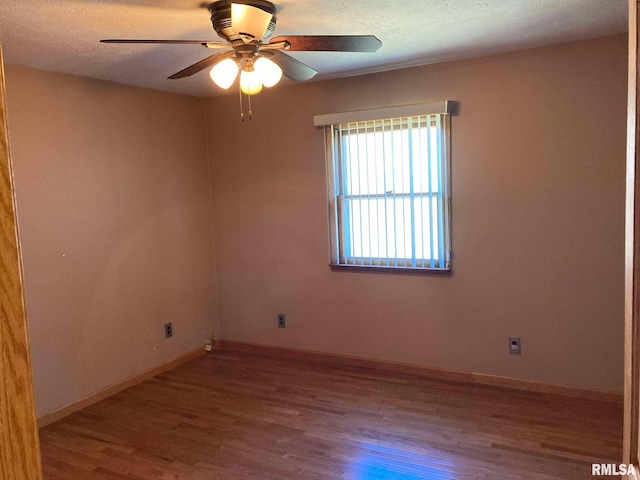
(240, 415)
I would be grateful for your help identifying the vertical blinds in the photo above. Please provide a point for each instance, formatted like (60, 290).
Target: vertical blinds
(388, 192)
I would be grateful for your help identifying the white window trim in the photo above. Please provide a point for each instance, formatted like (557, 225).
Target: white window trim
(435, 108)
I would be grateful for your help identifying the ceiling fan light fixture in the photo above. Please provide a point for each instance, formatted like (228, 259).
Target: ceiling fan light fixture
(270, 73)
(224, 73)
(250, 82)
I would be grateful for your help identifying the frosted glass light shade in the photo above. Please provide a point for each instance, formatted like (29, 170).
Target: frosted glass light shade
(224, 73)
(250, 82)
(269, 72)
(249, 20)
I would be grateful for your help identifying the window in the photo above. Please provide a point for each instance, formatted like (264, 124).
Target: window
(388, 183)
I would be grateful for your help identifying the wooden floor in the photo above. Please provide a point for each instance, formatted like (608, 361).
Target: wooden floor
(233, 415)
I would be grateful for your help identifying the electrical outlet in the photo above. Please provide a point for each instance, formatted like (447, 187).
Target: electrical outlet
(168, 330)
(281, 322)
(514, 346)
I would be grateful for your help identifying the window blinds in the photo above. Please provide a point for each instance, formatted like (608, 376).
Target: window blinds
(389, 191)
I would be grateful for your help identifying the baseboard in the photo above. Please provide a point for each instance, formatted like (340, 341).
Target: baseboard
(62, 412)
(429, 372)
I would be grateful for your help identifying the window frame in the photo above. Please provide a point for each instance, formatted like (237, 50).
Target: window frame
(338, 259)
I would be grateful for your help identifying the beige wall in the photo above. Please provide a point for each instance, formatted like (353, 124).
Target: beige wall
(115, 217)
(538, 157)
(114, 212)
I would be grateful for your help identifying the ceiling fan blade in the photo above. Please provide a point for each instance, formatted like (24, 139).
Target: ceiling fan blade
(204, 43)
(292, 68)
(331, 43)
(201, 65)
(249, 21)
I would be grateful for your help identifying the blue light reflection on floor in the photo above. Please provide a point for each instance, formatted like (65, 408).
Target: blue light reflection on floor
(379, 462)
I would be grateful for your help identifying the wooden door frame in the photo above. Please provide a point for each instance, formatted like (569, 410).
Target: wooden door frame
(631, 439)
(19, 442)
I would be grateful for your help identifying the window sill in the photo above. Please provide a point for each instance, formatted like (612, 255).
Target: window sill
(391, 270)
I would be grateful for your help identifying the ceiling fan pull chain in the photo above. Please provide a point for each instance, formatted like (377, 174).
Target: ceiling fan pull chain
(250, 113)
(241, 109)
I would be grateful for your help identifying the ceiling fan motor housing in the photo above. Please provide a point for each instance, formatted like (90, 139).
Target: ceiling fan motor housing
(221, 17)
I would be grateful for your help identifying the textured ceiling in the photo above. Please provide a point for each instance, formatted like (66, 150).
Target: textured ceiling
(63, 35)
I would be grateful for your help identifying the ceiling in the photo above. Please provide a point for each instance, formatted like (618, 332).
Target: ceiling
(63, 35)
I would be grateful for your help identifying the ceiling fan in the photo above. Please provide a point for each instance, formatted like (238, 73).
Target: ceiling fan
(246, 26)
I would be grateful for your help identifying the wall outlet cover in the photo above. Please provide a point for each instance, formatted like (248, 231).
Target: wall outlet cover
(515, 347)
